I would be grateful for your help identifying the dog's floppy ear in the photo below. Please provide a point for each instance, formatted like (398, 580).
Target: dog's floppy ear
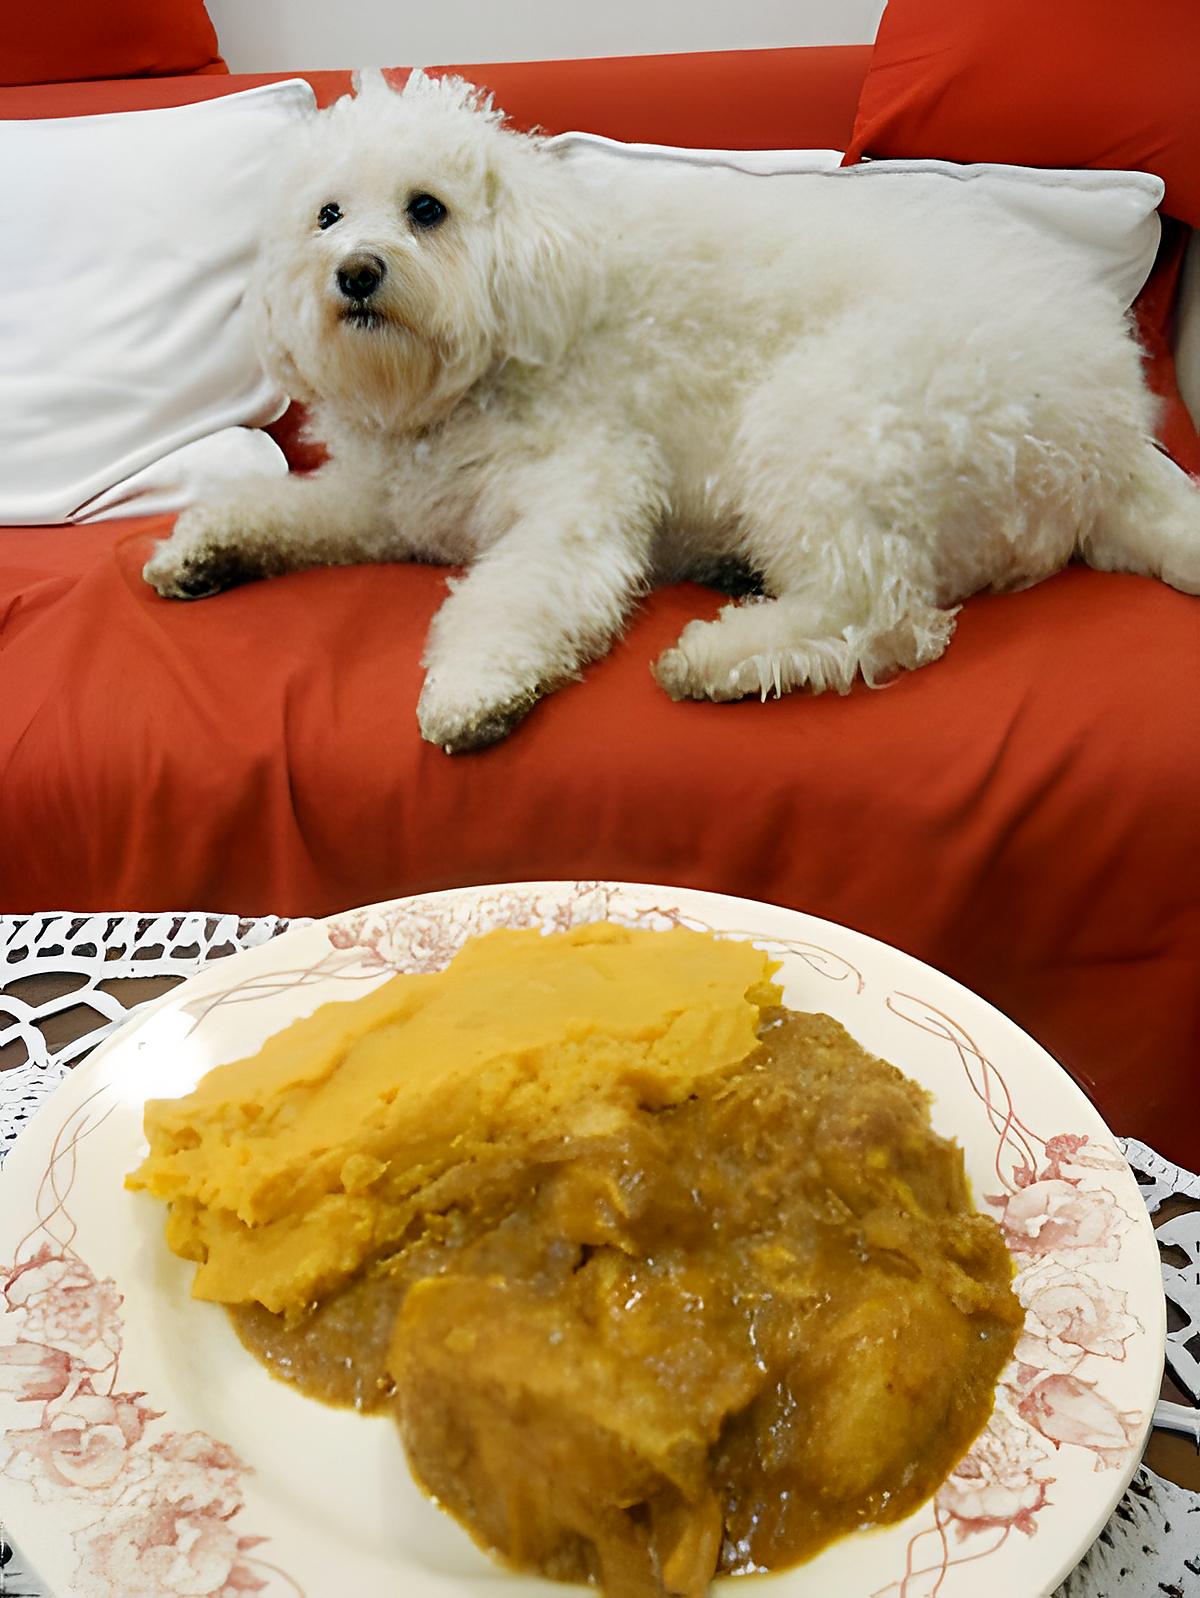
(264, 305)
(544, 281)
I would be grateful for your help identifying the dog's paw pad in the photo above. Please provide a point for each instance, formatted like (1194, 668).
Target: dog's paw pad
(488, 730)
(460, 730)
(197, 574)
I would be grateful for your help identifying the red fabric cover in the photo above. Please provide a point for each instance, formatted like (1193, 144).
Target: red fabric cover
(77, 39)
(1022, 814)
(1092, 83)
(743, 99)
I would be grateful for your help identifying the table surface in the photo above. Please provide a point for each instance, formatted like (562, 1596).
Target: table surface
(66, 1010)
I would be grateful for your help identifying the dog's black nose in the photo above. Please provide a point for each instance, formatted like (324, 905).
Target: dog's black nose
(360, 275)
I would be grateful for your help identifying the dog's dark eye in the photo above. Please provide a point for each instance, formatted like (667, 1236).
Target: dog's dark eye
(426, 211)
(328, 215)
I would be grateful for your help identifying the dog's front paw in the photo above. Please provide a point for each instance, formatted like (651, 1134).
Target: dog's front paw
(460, 723)
(200, 558)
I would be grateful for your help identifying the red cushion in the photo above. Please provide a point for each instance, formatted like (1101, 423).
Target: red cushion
(741, 99)
(78, 39)
(1083, 83)
(1022, 814)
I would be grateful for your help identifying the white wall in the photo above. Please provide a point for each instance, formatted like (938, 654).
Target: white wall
(291, 35)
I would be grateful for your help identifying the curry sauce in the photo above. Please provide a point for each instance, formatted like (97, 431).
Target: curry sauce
(744, 1325)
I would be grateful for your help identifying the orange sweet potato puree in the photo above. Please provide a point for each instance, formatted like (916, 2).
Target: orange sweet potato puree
(287, 1171)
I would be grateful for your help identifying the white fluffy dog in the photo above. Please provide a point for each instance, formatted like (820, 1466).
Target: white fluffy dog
(577, 390)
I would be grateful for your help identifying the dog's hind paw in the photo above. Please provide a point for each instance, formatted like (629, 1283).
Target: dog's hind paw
(673, 673)
(681, 679)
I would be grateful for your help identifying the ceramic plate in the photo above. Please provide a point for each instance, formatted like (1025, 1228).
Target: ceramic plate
(144, 1454)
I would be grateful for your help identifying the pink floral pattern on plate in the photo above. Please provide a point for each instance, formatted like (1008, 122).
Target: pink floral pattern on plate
(161, 1507)
(1058, 1217)
(426, 935)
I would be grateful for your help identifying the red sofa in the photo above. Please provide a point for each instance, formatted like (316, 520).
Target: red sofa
(1025, 814)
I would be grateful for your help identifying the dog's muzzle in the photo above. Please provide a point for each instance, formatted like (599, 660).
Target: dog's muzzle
(359, 276)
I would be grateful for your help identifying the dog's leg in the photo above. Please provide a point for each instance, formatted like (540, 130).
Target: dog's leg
(548, 597)
(838, 511)
(267, 527)
(1151, 526)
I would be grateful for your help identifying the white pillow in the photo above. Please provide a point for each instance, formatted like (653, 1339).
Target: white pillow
(189, 474)
(579, 146)
(1108, 218)
(124, 346)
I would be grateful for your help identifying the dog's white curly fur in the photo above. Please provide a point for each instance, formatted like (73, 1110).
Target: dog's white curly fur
(576, 390)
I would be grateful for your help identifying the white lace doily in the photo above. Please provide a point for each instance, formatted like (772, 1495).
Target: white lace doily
(1179, 1245)
(96, 953)
(1149, 1549)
